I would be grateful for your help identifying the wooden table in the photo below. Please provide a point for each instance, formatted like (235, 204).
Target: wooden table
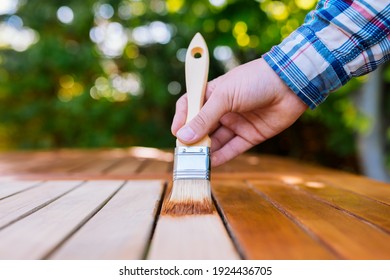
(105, 204)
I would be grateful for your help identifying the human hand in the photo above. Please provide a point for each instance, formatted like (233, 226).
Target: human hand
(243, 108)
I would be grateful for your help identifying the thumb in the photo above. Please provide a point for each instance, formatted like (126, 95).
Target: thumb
(205, 121)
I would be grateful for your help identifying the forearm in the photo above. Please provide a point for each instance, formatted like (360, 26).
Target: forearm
(339, 40)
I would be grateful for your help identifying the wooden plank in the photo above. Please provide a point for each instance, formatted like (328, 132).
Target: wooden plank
(350, 237)
(20, 162)
(121, 230)
(61, 165)
(379, 191)
(8, 188)
(97, 166)
(191, 237)
(250, 163)
(261, 230)
(29, 201)
(366, 208)
(38, 234)
(127, 166)
(153, 166)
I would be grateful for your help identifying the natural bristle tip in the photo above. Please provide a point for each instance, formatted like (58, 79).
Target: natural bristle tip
(189, 197)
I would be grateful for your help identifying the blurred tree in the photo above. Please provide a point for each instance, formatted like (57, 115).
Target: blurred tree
(108, 73)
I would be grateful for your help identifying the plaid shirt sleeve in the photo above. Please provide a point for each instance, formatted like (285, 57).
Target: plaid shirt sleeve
(340, 39)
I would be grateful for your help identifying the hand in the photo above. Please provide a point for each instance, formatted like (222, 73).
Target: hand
(243, 108)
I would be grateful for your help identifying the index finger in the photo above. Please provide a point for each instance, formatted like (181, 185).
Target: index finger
(180, 114)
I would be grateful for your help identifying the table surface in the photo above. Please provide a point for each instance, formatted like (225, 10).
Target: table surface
(105, 204)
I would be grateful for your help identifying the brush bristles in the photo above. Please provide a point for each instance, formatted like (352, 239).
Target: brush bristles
(189, 197)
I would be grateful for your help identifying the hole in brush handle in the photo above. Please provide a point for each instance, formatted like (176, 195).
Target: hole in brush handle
(197, 52)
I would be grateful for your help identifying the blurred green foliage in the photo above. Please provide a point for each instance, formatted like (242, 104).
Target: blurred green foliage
(108, 73)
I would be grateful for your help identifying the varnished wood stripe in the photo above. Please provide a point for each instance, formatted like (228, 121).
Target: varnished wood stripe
(262, 231)
(379, 191)
(345, 234)
(363, 207)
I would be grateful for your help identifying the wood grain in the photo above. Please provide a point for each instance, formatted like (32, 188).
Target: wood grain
(260, 229)
(379, 191)
(31, 200)
(127, 166)
(8, 188)
(61, 165)
(362, 207)
(349, 237)
(191, 237)
(98, 166)
(269, 208)
(121, 229)
(155, 167)
(38, 234)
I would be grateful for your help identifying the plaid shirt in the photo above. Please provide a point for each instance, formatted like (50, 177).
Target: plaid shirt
(339, 40)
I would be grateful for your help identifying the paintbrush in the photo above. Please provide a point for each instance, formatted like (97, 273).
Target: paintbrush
(191, 191)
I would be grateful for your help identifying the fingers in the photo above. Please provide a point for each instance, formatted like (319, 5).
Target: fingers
(206, 120)
(180, 115)
(211, 86)
(230, 150)
(220, 137)
(236, 135)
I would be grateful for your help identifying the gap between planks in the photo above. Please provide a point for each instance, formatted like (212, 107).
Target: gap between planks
(12, 187)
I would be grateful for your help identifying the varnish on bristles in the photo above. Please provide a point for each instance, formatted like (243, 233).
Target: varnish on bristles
(189, 197)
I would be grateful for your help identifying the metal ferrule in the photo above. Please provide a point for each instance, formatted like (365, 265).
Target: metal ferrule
(191, 163)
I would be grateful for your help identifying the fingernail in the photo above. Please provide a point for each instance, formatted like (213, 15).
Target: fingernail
(186, 134)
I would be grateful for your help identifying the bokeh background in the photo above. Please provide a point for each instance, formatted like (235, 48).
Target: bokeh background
(91, 74)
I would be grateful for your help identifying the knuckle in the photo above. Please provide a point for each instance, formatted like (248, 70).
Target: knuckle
(201, 120)
(257, 138)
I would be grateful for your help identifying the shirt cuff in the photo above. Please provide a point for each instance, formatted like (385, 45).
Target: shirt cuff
(307, 66)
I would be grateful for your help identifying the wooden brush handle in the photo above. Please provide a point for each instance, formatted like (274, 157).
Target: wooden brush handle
(196, 71)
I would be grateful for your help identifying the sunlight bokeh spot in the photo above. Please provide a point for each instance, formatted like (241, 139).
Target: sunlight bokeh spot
(69, 89)
(305, 4)
(276, 10)
(240, 28)
(66, 81)
(174, 6)
(132, 51)
(223, 53)
(174, 87)
(105, 11)
(65, 15)
(217, 3)
(243, 40)
(8, 7)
